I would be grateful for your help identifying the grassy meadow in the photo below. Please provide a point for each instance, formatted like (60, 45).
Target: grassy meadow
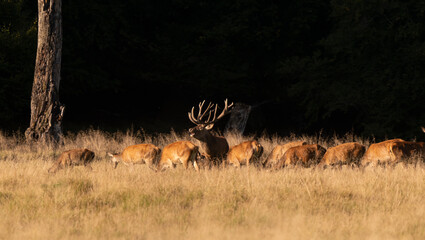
(134, 202)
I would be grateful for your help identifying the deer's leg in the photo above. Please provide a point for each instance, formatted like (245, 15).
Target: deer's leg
(195, 165)
(184, 162)
(88, 166)
(236, 164)
(224, 163)
(164, 166)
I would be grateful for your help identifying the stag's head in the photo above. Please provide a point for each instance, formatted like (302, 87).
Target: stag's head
(204, 124)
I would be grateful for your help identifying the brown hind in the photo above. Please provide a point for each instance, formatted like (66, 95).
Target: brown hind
(137, 154)
(305, 155)
(74, 157)
(246, 153)
(347, 153)
(278, 152)
(379, 152)
(181, 152)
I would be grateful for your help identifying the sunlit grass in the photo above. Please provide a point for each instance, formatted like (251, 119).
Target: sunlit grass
(136, 203)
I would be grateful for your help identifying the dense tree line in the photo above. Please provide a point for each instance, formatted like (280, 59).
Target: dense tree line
(335, 65)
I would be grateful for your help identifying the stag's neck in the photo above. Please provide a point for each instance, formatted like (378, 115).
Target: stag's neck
(207, 142)
(213, 146)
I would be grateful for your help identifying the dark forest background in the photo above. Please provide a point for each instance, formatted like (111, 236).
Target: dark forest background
(337, 66)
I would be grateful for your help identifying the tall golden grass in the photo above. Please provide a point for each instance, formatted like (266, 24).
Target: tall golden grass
(136, 203)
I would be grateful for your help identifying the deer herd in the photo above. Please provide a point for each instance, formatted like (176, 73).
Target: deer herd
(214, 151)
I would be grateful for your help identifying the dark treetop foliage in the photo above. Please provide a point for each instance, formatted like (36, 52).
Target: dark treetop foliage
(334, 65)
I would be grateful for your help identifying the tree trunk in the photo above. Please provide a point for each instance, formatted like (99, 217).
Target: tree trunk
(46, 110)
(238, 118)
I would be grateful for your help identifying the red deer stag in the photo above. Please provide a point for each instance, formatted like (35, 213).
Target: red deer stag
(246, 153)
(213, 148)
(181, 152)
(137, 154)
(71, 158)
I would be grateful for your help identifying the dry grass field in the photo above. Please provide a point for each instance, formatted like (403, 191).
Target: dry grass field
(134, 202)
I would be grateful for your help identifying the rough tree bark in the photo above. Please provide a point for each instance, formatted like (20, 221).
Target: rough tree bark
(46, 110)
(238, 118)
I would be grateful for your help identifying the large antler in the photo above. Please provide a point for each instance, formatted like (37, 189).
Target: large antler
(210, 111)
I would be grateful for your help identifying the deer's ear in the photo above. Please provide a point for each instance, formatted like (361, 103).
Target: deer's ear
(209, 126)
(110, 154)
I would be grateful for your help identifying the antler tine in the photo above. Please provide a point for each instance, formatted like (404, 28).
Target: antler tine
(225, 110)
(205, 112)
(210, 111)
(209, 116)
(191, 118)
(201, 104)
(231, 105)
(215, 114)
(201, 114)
